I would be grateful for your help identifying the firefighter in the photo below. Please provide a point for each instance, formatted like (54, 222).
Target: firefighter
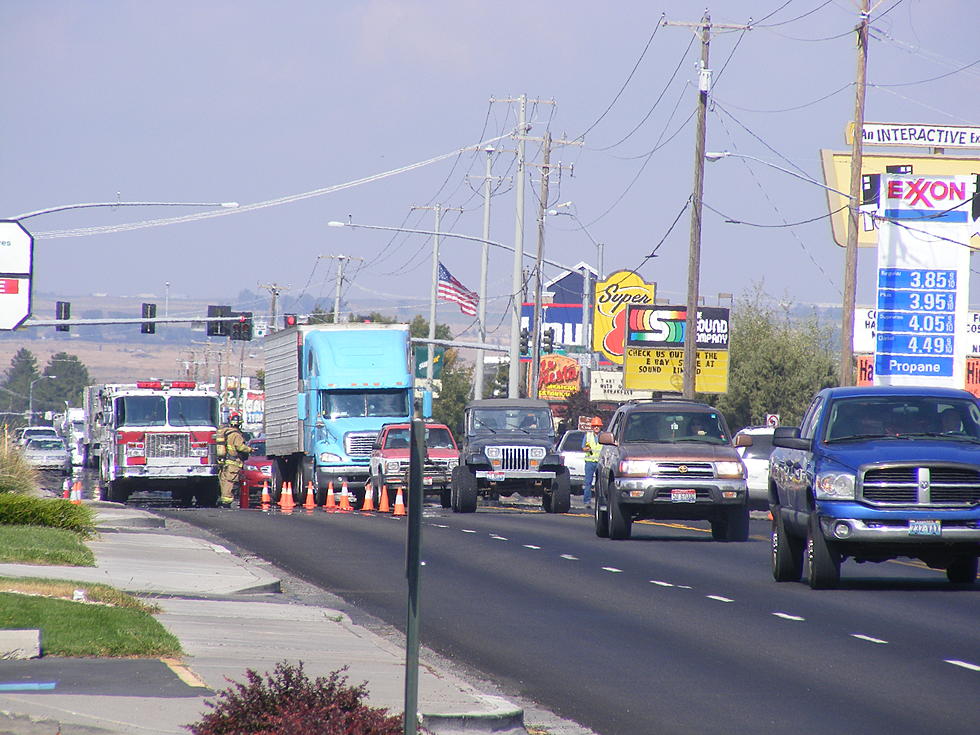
(232, 452)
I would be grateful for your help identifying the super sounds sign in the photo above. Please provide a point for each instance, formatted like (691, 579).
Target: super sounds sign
(612, 296)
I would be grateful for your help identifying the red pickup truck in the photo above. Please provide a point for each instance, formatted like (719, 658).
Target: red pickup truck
(390, 457)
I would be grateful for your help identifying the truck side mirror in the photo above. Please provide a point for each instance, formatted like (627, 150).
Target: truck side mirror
(743, 440)
(606, 437)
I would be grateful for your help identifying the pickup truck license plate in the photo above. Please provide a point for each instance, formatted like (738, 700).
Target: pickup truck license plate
(426, 480)
(925, 528)
(683, 496)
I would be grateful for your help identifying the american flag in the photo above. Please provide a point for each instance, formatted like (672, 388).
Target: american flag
(452, 290)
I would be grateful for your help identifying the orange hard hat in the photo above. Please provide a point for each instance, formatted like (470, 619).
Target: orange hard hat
(596, 421)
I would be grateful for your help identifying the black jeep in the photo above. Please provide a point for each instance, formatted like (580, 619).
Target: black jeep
(509, 447)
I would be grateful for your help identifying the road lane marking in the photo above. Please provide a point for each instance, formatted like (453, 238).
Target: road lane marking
(964, 664)
(662, 584)
(569, 557)
(532, 546)
(611, 569)
(719, 598)
(867, 638)
(681, 526)
(184, 674)
(498, 538)
(439, 525)
(787, 616)
(467, 530)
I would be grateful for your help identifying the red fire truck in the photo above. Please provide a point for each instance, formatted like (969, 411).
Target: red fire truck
(154, 435)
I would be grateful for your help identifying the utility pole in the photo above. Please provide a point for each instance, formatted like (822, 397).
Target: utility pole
(341, 259)
(274, 290)
(853, 213)
(536, 326)
(704, 27)
(516, 284)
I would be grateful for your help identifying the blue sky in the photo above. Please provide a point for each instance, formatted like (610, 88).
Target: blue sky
(253, 101)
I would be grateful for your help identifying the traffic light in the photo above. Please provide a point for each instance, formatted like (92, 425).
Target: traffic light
(242, 328)
(548, 340)
(62, 310)
(149, 312)
(289, 320)
(525, 341)
(218, 329)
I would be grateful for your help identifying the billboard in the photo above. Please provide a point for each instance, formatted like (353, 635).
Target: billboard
(612, 296)
(607, 386)
(654, 347)
(558, 378)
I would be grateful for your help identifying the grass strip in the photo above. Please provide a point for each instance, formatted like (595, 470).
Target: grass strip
(41, 545)
(110, 624)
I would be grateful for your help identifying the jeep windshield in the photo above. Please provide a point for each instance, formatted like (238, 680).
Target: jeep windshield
(676, 426)
(902, 417)
(520, 420)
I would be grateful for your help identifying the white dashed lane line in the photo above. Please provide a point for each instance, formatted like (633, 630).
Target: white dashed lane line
(569, 557)
(467, 530)
(661, 584)
(964, 664)
(719, 598)
(611, 569)
(787, 616)
(867, 638)
(532, 546)
(498, 538)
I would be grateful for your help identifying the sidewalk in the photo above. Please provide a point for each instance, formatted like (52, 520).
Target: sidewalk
(221, 638)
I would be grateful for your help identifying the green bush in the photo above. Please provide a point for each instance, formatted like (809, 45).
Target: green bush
(24, 510)
(16, 476)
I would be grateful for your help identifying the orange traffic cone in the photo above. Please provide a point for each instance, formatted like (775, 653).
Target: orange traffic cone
(76, 494)
(310, 503)
(266, 499)
(368, 503)
(286, 497)
(399, 504)
(66, 489)
(345, 498)
(383, 506)
(331, 504)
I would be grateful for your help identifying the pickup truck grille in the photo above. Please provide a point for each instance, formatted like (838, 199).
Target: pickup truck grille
(922, 485)
(360, 443)
(686, 470)
(168, 445)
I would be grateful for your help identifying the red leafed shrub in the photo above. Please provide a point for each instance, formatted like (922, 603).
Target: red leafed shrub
(286, 702)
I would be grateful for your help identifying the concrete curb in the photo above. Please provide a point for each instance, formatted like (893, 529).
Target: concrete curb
(19, 644)
(504, 718)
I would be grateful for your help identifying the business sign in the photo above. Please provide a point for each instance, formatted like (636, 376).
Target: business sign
(558, 377)
(420, 353)
(866, 331)
(565, 319)
(654, 357)
(837, 174)
(866, 373)
(612, 296)
(917, 134)
(923, 280)
(607, 386)
(16, 264)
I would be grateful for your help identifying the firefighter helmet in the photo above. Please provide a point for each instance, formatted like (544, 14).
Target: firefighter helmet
(235, 418)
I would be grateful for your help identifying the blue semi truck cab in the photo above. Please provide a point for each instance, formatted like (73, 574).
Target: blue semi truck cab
(876, 473)
(329, 390)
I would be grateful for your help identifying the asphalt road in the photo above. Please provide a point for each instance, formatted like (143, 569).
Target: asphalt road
(669, 632)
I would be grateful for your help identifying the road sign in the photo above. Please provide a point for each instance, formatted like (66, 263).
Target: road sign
(772, 420)
(16, 264)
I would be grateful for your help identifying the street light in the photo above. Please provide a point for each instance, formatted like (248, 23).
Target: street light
(89, 205)
(515, 344)
(30, 398)
(599, 247)
(713, 156)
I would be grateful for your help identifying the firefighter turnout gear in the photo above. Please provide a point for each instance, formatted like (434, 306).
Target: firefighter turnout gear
(232, 451)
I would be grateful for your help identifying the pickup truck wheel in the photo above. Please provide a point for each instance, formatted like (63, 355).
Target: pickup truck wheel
(962, 570)
(561, 493)
(787, 551)
(464, 490)
(620, 524)
(601, 519)
(822, 562)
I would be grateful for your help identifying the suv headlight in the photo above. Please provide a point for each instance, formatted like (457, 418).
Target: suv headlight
(494, 452)
(834, 486)
(729, 470)
(452, 463)
(537, 452)
(637, 467)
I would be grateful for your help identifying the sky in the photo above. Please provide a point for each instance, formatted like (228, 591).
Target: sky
(286, 104)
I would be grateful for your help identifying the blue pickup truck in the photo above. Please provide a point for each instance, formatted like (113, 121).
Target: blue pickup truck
(876, 473)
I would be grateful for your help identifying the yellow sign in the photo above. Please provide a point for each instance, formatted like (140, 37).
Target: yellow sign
(609, 315)
(663, 370)
(837, 175)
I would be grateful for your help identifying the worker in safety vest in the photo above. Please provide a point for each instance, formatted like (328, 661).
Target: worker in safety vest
(232, 452)
(590, 443)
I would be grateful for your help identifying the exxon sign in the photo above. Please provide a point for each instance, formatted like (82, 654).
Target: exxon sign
(934, 198)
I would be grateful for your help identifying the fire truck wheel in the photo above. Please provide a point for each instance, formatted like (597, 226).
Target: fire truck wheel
(207, 494)
(116, 492)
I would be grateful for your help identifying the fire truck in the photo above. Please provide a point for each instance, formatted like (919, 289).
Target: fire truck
(154, 435)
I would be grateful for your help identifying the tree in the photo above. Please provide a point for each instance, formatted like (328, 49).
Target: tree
(71, 378)
(17, 380)
(777, 362)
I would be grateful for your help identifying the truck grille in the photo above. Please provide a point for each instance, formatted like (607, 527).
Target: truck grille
(515, 458)
(168, 445)
(359, 444)
(910, 485)
(686, 470)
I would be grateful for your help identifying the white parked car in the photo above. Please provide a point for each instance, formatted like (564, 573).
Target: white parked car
(47, 454)
(756, 459)
(37, 432)
(570, 448)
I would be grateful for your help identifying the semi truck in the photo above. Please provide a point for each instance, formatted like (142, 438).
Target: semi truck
(329, 388)
(154, 435)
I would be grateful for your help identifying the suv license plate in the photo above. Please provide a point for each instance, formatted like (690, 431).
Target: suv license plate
(925, 528)
(683, 496)
(495, 476)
